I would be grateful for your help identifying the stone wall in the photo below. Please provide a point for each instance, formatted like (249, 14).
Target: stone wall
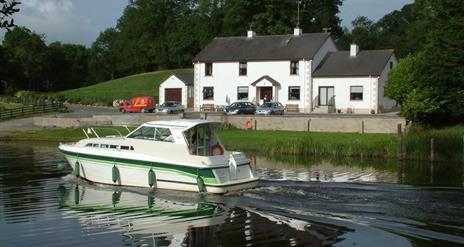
(322, 123)
(316, 123)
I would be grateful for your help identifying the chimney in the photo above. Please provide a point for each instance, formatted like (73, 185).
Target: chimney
(251, 34)
(354, 50)
(297, 31)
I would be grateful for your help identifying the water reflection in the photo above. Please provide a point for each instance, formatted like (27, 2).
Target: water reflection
(163, 218)
(317, 169)
(299, 201)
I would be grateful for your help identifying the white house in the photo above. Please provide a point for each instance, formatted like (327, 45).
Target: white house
(353, 81)
(292, 69)
(177, 87)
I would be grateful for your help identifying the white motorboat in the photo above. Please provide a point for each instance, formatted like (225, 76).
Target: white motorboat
(177, 154)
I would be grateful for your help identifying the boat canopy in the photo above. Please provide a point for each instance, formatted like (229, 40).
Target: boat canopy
(184, 123)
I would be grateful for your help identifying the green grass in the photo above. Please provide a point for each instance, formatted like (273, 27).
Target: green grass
(312, 143)
(146, 84)
(449, 142)
(60, 134)
(8, 106)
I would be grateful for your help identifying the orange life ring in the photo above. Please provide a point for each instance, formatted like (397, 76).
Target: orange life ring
(249, 124)
(217, 146)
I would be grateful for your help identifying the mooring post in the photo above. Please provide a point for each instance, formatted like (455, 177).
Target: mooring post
(309, 125)
(432, 149)
(362, 127)
(256, 124)
(400, 142)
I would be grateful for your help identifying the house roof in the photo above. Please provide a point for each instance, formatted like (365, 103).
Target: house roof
(269, 79)
(186, 78)
(259, 48)
(340, 63)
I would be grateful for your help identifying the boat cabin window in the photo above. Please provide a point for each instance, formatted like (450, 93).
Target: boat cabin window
(104, 145)
(88, 144)
(144, 132)
(95, 145)
(114, 146)
(201, 139)
(153, 133)
(164, 135)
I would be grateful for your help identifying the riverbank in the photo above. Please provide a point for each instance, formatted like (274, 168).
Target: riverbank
(448, 143)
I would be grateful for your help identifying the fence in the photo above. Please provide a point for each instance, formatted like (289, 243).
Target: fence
(30, 110)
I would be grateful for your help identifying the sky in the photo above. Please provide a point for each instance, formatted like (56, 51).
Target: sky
(81, 21)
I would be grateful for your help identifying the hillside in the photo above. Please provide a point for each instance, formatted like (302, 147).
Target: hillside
(122, 88)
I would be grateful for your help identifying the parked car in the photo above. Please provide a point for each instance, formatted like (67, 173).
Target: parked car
(270, 108)
(240, 107)
(138, 104)
(169, 107)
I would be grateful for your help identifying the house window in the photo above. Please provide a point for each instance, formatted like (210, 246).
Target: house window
(356, 93)
(208, 93)
(242, 68)
(294, 68)
(208, 69)
(242, 93)
(294, 93)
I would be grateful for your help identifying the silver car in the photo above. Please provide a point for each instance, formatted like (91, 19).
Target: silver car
(270, 108)
(169, 107)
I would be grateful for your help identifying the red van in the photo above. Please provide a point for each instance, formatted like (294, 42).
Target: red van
(138, 104)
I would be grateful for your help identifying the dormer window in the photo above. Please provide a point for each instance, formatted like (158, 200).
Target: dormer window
(294, 68)
(242, 68)
(208, 69)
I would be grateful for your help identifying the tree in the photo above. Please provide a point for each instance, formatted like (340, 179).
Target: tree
(26, 51)
(7, 9)
(365, 33)
(430, 84)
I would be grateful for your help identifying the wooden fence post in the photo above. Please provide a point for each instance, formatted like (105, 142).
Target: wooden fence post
(400, 141)
(432, 149)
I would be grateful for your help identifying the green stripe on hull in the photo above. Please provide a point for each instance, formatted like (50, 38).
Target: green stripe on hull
(192, 172)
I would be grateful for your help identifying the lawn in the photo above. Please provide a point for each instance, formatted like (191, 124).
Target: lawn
(122, 88)
(449, 142)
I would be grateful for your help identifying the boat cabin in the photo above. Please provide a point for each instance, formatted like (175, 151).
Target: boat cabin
(197, 135)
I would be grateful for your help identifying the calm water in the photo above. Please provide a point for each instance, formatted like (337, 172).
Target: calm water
(299, 202)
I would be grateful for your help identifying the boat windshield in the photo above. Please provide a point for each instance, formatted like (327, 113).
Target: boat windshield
(201, 139)
(152, 133)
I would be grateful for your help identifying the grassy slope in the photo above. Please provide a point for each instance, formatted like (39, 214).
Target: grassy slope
(124, 88)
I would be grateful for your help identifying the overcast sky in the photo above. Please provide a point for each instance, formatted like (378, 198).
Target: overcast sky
(81, 21)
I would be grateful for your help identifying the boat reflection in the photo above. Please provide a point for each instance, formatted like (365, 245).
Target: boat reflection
(164, 218)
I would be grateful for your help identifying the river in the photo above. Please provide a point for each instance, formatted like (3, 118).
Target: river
(298, 202)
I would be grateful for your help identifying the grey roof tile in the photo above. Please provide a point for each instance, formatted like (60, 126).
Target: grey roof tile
(338, 64)
(261, 48)
(186, 78)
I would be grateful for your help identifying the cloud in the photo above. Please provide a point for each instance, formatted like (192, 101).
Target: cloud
(58, 20)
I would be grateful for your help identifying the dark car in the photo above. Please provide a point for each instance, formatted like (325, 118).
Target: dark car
(170, 107)
(270, 108)
(240, 107)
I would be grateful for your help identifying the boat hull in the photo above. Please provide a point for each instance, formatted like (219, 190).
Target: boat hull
(166, 176)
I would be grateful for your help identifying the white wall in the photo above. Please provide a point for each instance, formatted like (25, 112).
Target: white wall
(328, 46)
(225, 79)
(386, 102)
(342, 92)
(173, 82)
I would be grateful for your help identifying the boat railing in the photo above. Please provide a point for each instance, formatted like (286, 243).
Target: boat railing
(98, 132)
